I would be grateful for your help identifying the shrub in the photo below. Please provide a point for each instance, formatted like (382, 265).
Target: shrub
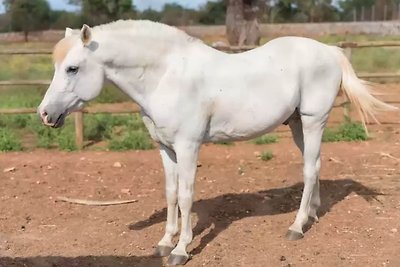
(347, 131)
(136, 140)
(266, 139)
(266, 155)
(9, 141)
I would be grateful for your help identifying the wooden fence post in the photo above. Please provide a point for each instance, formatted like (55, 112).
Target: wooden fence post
(79, 129)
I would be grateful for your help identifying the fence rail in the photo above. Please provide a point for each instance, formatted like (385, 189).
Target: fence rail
(134, 108)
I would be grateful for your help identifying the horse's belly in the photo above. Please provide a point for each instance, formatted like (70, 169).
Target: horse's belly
(246, 124)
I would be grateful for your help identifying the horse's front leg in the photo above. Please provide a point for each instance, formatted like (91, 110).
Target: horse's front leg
(165, 246)
(187, 154)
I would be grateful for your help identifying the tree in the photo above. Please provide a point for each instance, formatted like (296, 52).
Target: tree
(348, 7)
(28, 15)
(102, 11)
(150, 14)
(62, 19)
(242, 22)
(304, 11)
(213, 13)
(175, 14)
(317, 10)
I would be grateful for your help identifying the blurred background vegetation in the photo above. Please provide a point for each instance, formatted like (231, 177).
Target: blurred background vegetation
(36, 14)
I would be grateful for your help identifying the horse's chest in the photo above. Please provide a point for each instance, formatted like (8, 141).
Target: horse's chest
(158, 134)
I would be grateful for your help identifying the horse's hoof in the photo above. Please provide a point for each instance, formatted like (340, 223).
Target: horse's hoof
(162, 251)
(314, 218)
(293, 235)
(175, 260)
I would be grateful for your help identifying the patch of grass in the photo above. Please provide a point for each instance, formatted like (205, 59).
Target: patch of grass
(266, 155)
(129, 133)
(63, 138)
(265, 139)
(98, 127)
(9, 141)
(111, 94)
(347, 131)
(66, 140)
(136, 140)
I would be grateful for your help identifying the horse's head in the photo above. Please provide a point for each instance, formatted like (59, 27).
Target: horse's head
(78, 77)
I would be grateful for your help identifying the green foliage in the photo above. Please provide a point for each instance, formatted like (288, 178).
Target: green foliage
(267, 155)
(60, 19)
(348, 7)
(9, 141)
(136, 140)
(303, 11)
(98, 127)
(28, 15)
(150, 14)
(129, 133)
(100, 11)
(25, 67)
(66, 140)
(14, 121)
(213, 13)
(45, 136)
(347, 131)
(266, 139)
(63, 138)
(111, 94)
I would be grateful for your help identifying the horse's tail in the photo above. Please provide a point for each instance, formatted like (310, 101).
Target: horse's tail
(359, 91)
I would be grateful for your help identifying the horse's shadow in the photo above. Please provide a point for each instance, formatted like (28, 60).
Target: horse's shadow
(82, 261)
(223, 210)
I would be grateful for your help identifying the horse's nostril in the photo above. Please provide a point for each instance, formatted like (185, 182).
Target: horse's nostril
(46, 118)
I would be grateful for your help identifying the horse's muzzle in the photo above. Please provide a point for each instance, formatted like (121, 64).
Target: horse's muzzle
(54, 122)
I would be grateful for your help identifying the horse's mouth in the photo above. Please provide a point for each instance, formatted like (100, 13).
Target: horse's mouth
(60, 120)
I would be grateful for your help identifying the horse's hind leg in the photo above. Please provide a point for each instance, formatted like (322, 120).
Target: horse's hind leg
(312, 130)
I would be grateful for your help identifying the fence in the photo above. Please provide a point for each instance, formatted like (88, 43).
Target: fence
(133, 108)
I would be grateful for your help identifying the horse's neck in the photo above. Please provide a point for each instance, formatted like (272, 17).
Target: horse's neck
(136, 65)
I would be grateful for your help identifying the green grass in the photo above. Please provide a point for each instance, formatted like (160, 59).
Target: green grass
(266, 155)
(136, 140)
(347, 131)
(265, 139)
(9, 141)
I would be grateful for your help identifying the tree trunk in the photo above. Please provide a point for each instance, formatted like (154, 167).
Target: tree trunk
(26, 34)
(242, 26)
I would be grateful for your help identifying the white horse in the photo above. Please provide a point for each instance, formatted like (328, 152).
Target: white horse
(190, 93)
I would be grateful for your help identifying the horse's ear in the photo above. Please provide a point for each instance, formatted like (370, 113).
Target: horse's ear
(86, 35)
(68, 32)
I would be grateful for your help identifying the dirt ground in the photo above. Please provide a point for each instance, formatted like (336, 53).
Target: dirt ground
(243, 207)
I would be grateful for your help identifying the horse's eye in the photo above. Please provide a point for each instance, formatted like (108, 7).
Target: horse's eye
(72, 70)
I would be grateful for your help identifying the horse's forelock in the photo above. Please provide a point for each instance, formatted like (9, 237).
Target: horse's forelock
(62, 48)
